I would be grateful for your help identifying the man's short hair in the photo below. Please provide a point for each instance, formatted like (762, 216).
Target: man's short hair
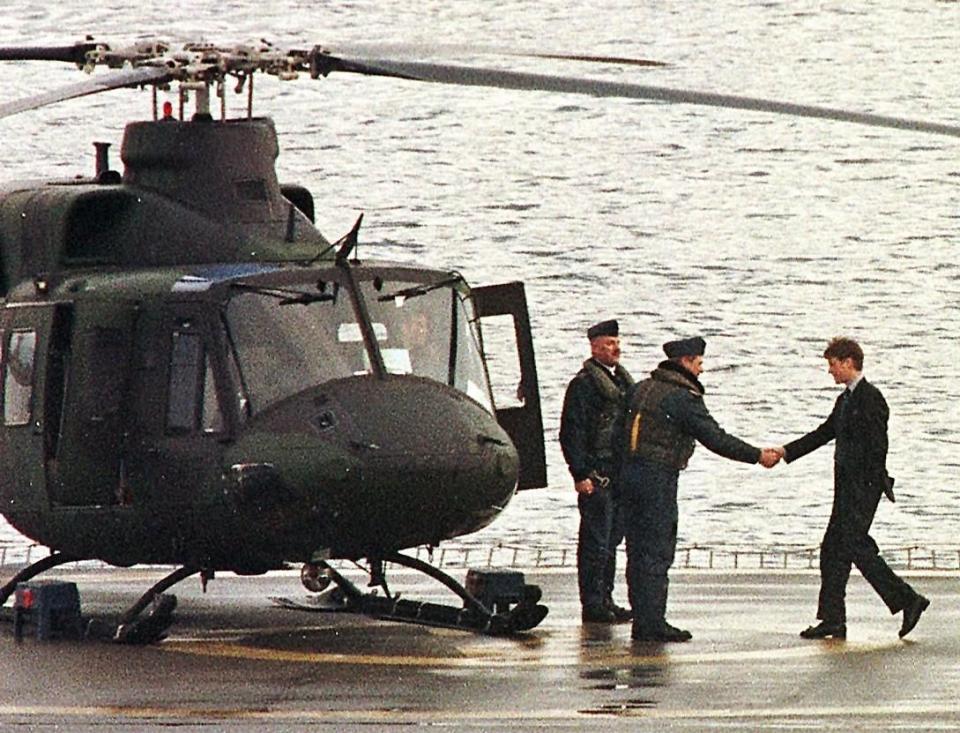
(842, 348)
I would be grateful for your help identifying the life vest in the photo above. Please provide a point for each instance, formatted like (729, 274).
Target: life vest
(609, 425)
(651, 434)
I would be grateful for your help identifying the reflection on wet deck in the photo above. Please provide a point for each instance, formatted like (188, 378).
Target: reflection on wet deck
(234, 660)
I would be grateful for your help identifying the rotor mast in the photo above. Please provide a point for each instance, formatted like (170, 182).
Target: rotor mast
(196, 67)
(201, 92)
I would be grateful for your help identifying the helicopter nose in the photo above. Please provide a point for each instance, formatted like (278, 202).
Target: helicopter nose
(418, 461)
(432, 461)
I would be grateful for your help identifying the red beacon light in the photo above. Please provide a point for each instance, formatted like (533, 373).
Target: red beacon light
(24, 598)
(168, 110)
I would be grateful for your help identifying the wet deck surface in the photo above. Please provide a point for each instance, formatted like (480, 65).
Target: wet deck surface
(232, 661)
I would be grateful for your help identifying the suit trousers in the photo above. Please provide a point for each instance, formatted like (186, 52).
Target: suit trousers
(847, 542)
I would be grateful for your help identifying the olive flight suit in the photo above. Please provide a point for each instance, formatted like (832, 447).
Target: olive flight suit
(666, 414)
(591, 429)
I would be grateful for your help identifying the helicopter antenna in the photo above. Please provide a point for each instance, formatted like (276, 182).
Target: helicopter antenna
(344, 243)
(349, 241)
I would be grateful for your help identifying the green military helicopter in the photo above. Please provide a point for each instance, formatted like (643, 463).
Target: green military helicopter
(193, 375)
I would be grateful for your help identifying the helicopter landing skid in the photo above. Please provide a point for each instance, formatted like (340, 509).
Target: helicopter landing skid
(503, 604)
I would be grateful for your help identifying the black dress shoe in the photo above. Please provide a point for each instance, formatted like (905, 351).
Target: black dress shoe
(620, 614)
(825, 629)
(664, 634)
(911, 614)
(597, 615)
(672, 633)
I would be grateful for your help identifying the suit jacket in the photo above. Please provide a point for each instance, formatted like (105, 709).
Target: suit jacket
(859, 425)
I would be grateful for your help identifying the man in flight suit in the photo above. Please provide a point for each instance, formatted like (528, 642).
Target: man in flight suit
(591, 428)
(666, 414)
(858, 422)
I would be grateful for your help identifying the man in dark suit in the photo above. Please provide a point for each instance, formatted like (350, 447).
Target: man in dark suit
(858, 423)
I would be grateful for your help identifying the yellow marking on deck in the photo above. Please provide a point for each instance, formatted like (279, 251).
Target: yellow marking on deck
(507, 656)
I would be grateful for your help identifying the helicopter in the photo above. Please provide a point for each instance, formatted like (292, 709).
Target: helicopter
(193, 375)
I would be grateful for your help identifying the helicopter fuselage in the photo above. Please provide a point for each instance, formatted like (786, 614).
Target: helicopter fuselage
(191, 374)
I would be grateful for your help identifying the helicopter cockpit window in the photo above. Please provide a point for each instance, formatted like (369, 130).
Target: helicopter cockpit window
(414, 333)
(426, 330)
(192, 400)
(19, 352)
(286, 346)
(286, 341)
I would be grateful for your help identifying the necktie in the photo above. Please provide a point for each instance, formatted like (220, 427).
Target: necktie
(844, 399)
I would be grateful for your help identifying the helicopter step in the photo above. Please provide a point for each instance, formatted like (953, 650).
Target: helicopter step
(495, 602)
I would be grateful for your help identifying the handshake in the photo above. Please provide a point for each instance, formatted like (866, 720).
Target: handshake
(770, 457)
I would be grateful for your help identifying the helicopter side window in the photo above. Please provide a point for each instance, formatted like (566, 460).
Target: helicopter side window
(185, 376)
(192, 400)
(236, 379)
(18, 377)
(211, 417)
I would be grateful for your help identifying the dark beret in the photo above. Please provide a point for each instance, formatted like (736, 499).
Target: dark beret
(604, 328)
(685, 347)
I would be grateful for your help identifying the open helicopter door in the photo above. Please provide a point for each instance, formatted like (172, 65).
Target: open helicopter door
(32, 388)
(87, 467)
(505, 327)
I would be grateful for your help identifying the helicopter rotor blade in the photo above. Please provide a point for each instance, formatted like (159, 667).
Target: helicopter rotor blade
(590, 58)
(152, 62)
(104, 83)
(75, 54)
(323, 63)
(422, 50)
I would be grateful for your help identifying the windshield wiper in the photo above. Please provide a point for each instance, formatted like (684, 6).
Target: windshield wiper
(417, 290)
(286, 296)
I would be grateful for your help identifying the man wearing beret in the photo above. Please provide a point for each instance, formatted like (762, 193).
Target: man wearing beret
(591, 435)
(666, 415)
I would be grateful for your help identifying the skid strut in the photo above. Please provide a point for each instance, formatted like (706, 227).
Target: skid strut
(137, 627)
(497, 603)
(50, 561)
(131, 628)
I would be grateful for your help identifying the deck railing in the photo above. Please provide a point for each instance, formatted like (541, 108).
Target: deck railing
(690, 557)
